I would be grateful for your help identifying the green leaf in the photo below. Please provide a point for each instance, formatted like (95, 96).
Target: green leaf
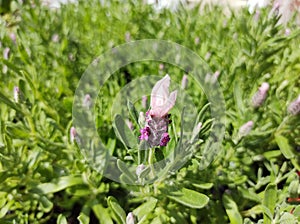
(203, 185)
(17, 131)
(11, 104)
(293, 188)
(124, 169)
(117, 210)
(272, 154)
(102, 214)
(284, 146)
(133, 112)
(46, 204)
(124, 133)
(269, 202)
(58, 184)
(61, 219)
(145, 208)
(189, 198)
(84, 216)
(288, 218)
(232, 210)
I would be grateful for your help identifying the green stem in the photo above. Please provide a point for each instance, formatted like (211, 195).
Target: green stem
(150, 161)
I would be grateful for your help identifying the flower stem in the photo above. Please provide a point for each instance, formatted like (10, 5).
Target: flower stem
(150, 161)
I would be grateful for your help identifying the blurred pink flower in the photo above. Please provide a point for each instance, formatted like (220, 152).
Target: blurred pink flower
(261, 95)
(246, 128)
(161, 101)
(73, 134)
(294, 107)
(130, 219)
(87, 101)
(144, 101)
(184, 81)
(16, 94)
(6, 53)
(139, 169)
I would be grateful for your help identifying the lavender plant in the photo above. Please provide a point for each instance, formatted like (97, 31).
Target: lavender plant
(45, 177)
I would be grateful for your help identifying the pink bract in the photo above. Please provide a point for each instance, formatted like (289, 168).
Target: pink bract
(161, 101)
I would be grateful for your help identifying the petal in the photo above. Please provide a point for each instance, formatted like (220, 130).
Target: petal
(169, 103)
(160, 92)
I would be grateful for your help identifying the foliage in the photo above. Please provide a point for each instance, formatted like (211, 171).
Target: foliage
(44, 178)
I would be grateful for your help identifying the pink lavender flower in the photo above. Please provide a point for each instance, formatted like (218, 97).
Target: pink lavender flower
(197, 40)
(246, 128)
(16, 94)
(165, 138)
(161, 66)
(13, 38)
(157, 119)
(145, 133)
(87, 102)
(261, 95)
(73, 134)
(130, 219)
(139, 169)
(6, 53)
(129, 124)
(55, 38)
(207, 56)
(144, 101)
(294, 107)
(184, 81)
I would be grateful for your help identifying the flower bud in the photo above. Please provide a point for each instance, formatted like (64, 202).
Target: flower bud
(144, 101)
(6, 53)
(246, 128)
(261, 95)
(16, 94)
(294, 107)
(184, 81)
(87, 102)
(73, 134)
(139, 169)
(130, 219)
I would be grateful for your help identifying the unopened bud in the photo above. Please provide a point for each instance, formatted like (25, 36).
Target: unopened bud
(73, 134)
(6, 53)
(16, 94)
(246, 128)
(139, 169)
(184, 81)
(261, 95)
(294, 107)
(144, 101)
(130, 219)
(87, 101)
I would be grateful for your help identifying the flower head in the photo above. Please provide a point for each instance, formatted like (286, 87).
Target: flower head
(161, 101)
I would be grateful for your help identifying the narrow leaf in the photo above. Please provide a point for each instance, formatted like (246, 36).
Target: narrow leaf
(145, 208)
(117, 210)
(189, 198)
(269, 202)
(284, 146)
(124, 133)
(232, 210)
